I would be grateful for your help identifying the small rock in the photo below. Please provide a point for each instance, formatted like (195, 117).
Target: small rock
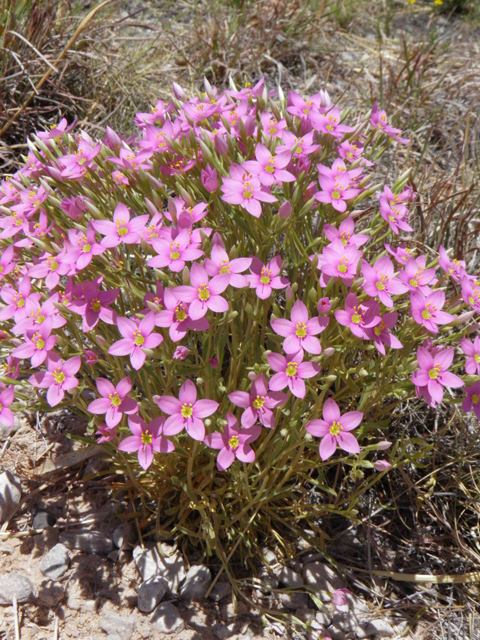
(14, 584)
(290, 578)
(166, 618)
(87, 541)
(322, 577)
(56, 562)
(150, 563)
(220, 590)
(229, 612)
(196, 583)
(50, 594)
(379, 628)
(294, 600)
(114, 624)
(151, 592)
(43, 519)
(10, 495)
(124, 536)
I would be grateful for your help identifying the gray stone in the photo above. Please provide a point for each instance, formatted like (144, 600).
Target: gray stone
(114, 624)
(166, 618)
(10, 495)
(151, 592)
(220, 590)
(150, 563)
(14, 584)
(56, 562)
(87, 541)
(196, 583)
(379, 628)
(42, 519)
(323, 578)
(290, 578)
(50, 594)
(124, 536)
(294, 600)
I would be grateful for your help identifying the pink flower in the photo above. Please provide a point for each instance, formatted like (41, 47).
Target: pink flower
(244, 189)
(426, 310)
(181, 353)
(7, 416)
(270, 169)
(264, 278)
(380, 281)
(146, 440)
(114, 402)
(186, 412)
(337, 261)
(203, 294)
(291, 372)
(258, 404)
(173, 253)
(220, 263)
(359, 317)
(122, 229)
(345, 233)
(472, 350)
(455, 268)
(37, 345)
(137, 336)
(59, 377)
(300, 331)
(334, 430)
(471, 400)
(416, 277)
(381, 335)
(382, 465)
(233, 443)
(433, 374)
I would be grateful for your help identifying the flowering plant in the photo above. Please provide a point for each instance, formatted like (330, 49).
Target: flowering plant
(221, 290)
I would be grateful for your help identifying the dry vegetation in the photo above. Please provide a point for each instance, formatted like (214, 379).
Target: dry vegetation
(424, 67)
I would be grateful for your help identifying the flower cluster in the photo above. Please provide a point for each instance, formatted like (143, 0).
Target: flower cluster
(213, 280)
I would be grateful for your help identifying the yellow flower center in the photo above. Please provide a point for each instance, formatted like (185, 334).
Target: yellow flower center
(203, 292)
(115, 399)
(58, 375)
(233, 442)
(292, 369)
(180, 313)
(335, 428)
(301, 330)
(259, 402)
(186, 410)
(138, 338)
(146, 437)
(95, 305)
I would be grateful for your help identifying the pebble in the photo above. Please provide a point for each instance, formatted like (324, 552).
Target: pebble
(150, 563)
(379, 628)
(166, 618)
(196, 583)
(43, 519)
(87, 541)
(220, 591)
(151, 592)
(10, 495)
(290, 578)
(124, 536)
(114, 624)
(56, 562)
(14, 584)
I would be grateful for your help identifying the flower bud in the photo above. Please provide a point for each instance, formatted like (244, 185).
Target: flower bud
(383, 445)
(382, 465)
(285, 210)
(181, 353)
(324, 305)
